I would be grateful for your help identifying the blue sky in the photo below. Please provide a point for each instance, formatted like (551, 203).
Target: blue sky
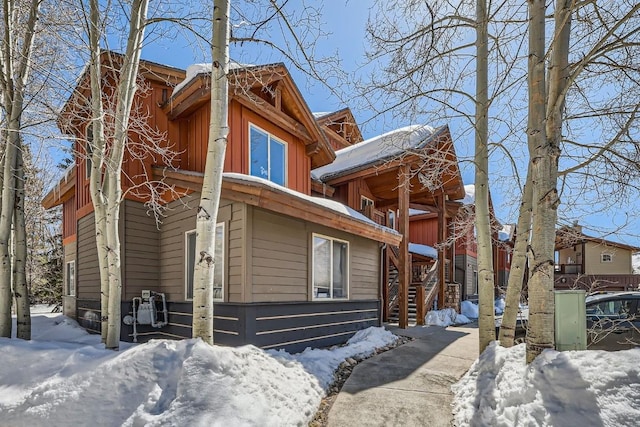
(345, 21)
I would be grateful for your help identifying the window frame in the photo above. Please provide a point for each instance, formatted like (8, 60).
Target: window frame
(365, 201)
(189, 233)
(313, 269)
(270, 137)
(606, 254)
(68, 281)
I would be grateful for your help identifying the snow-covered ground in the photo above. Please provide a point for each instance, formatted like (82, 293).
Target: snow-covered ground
(64, 376)
(571, 388)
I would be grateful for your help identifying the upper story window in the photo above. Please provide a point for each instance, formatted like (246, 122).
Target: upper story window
(606, 257)
(267, 156)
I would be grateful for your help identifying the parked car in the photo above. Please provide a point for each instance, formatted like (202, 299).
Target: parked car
(613, 321)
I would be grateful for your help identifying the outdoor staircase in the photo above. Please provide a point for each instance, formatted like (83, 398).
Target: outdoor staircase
(394, 316)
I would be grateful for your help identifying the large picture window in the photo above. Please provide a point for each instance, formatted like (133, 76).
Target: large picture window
(218, 271)
(71, 278)
(330, 268)
(267, 156)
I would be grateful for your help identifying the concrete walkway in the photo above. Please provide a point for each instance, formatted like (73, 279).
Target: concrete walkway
(409, 385)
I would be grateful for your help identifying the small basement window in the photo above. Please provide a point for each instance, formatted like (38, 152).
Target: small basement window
(330, 268)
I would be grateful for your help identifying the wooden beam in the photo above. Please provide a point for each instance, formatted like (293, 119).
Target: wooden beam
(263, 108)
(385, 284)
(442, 237)
(404, 267)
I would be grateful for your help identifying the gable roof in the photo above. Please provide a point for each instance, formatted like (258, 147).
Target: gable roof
(268, 90)
(570, 236)
(340, 127)
(376, 150)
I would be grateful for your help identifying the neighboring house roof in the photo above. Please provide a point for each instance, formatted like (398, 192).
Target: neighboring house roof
(63, 190)
(570, 236)
(377, 150)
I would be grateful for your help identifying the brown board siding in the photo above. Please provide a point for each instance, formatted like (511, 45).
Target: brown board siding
(141, 240)
(280, 259)
(180, 218)
(87, 271)
(292, 327)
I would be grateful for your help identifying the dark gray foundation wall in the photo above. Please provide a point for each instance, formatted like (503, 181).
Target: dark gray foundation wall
(289, 326)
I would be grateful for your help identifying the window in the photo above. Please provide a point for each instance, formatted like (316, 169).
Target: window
(392, 219)
(364, 202)
(218, 271)
(267, 156)
(89, 151)
(330, 268)
(606, 257)
(71, 278)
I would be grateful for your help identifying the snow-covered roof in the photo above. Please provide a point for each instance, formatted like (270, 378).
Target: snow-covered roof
(414, 212)
(423, 250)
(194, 70)
(378, 148)
(469, 194)
(326, 203)
(505, 234)
(320, 114)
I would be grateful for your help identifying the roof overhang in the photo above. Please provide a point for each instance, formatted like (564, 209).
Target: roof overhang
(62, 191)
(268, 196)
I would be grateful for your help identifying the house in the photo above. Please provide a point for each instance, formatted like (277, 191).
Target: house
(593, 263)
(385, 178)
(423, 231)
(295, 270)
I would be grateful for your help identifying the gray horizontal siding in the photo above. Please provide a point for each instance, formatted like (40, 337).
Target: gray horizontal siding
(289, 326)
(141, 241)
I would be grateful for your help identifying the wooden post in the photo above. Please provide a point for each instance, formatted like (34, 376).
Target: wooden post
(404, 269)
(442, 237)
(386, 264)
(421, 310)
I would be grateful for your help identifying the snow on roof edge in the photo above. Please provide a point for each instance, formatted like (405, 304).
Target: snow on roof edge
(326, 203)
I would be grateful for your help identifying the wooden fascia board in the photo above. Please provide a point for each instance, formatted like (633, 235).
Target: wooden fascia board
(322, 188)
(261, 107)
(60, 193)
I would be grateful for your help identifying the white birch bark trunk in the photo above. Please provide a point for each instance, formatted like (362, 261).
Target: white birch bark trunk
(486, 315)
(545, 193)
(518, 267)
(212, 184)
(20, 289)
(544, 158)
(105, 181)
(15, 65)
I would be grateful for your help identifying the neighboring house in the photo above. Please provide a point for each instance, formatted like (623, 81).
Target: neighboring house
(293, 270)
(593, 263)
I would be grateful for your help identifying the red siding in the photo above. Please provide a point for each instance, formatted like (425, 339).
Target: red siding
(69, 224)
(424, 231)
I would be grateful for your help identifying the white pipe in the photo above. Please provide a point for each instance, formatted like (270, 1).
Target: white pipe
(152, 300)
(135, 317)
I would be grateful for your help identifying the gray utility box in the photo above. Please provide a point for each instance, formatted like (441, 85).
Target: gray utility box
(571, 320)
